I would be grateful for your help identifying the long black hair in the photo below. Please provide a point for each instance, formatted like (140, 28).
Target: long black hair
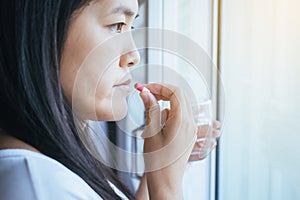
(32, 105)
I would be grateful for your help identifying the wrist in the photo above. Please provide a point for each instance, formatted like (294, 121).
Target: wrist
(161, 187)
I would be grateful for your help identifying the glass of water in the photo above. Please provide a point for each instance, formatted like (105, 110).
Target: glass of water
(203, 116)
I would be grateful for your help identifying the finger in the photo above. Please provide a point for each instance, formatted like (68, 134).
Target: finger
(198, 146)
(203, 131)
(197, 156)
(216, 129)
(148, 99)
(216, 124)
(167, 93)
(200, 154)
(164, 116)
(216, 133)
(153, 115)
(203, 144)
(160, 97)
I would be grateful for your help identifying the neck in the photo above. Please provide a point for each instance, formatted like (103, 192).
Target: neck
(10, 142)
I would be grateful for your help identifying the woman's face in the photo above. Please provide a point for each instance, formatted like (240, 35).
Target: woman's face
(95, 63)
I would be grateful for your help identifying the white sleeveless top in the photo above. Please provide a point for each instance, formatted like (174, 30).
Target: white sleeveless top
(28, 175)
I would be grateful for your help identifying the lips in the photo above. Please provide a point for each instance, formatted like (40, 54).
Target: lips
(127, 82)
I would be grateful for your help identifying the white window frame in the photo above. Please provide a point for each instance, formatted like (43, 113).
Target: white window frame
(155, 20)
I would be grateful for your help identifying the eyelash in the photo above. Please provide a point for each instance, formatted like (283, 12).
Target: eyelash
(118, 27)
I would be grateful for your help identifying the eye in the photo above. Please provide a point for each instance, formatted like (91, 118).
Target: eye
(118, 27)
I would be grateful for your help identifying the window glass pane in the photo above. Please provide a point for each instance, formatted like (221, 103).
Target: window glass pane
(192, 18)
(260, 155)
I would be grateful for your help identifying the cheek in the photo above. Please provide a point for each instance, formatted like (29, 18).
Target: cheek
(90, 89)
(104, 85)
(87, 85)
(113, 109)
(91, 98)
(110, 102)
(78, 62)
(96, 98)
(86, 77)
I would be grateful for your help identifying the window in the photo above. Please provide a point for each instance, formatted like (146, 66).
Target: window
(197, 21)
(257, 49)
(259, 158)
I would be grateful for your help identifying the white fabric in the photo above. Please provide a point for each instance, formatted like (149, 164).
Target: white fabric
(28, 175)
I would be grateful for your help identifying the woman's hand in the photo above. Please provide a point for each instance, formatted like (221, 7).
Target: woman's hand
(204, 146)
(169, 139)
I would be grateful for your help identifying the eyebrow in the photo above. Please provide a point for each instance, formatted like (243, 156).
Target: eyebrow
(124, 10)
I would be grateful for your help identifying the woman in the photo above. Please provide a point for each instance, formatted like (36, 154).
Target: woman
(43, 156)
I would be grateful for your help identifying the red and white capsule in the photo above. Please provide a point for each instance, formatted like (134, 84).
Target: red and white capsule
(141, 88)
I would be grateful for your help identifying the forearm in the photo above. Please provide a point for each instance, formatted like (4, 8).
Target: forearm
(160, 187)
(154, 188)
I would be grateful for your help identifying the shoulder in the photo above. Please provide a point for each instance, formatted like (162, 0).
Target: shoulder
(29, 175)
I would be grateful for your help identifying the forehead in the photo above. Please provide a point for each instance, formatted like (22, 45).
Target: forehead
(107, 7)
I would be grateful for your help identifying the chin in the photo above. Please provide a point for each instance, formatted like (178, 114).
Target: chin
(119, 113)
(112, 112)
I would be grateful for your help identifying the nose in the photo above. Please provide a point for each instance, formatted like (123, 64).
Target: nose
(130, 59)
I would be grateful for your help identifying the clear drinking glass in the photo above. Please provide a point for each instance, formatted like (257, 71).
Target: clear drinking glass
(203, 116)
